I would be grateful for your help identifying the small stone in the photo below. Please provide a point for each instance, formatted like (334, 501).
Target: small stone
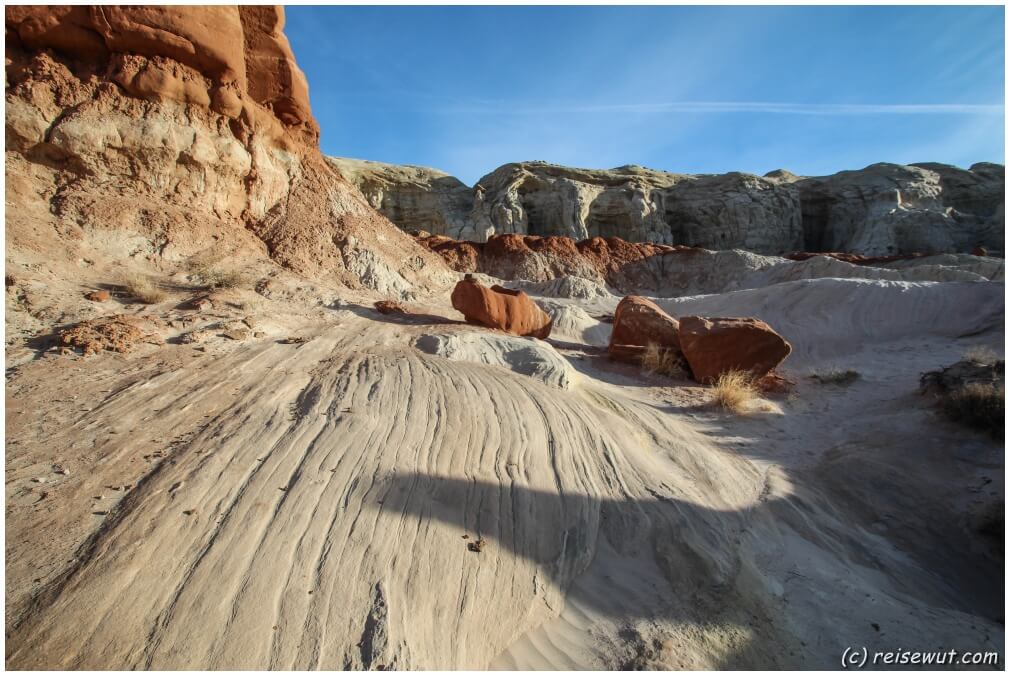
(99, 296)
(195, 337)
(390, 307)
(202, 304)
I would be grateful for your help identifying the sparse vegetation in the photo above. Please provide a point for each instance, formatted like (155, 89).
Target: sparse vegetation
(735, 391)
(981, 354)
(210, 274)
(835, 376)
(978, 405)
(664, 361)
(143, 288)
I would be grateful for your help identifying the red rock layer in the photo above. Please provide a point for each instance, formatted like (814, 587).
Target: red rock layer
(220, 57)
(605, 256)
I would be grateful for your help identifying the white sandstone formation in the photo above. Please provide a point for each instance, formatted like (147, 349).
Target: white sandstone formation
(880, 210)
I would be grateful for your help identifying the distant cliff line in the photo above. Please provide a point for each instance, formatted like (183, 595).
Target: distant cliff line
(883, 209)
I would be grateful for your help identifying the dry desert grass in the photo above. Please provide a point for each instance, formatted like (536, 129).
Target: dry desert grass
(735, 391)
(664, 361)
(143, 288)
(211, 275)
(981, 354)
(978, 405)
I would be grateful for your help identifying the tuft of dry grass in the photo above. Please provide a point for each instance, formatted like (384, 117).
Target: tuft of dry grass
(735, 391)
(143, 288)
(835, 376)
(211, 276)
(978, 405)
(981, 354)
(663, 360)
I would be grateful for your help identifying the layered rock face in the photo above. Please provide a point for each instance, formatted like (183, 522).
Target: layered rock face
(894, 209)
(415, 198)
(633, 203)
(159, 132)
(880, 210)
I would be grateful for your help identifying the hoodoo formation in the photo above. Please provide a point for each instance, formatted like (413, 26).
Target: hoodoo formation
(618, 419)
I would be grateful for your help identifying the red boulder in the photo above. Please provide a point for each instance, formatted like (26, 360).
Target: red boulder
(639, 322)
(500, 308)
(715, 345)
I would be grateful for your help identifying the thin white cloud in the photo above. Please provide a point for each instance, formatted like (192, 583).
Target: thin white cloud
(739, 107)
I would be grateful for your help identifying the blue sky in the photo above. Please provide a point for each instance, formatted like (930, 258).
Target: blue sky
(688, 89)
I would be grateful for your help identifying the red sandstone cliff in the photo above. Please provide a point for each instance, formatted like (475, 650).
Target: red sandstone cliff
(162, 131)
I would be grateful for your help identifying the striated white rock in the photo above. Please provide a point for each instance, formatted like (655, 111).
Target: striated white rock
(572, 323)
(525, 356)
(576, 288)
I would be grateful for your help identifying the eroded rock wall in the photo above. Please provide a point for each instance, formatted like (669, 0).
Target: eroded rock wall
(884, 209)
(889, 209)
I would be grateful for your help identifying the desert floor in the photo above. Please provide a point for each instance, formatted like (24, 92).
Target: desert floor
(266, 503)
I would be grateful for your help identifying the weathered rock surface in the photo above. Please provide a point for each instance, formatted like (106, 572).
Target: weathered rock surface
(414, 198)
(894, 209)
(161, 132)
(716, 345)
(633, 203)
(880, 210)
(640, 322)
(500, 308)
(532, 358)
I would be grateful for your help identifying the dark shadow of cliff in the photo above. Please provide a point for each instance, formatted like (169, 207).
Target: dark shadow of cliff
(696, 551)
